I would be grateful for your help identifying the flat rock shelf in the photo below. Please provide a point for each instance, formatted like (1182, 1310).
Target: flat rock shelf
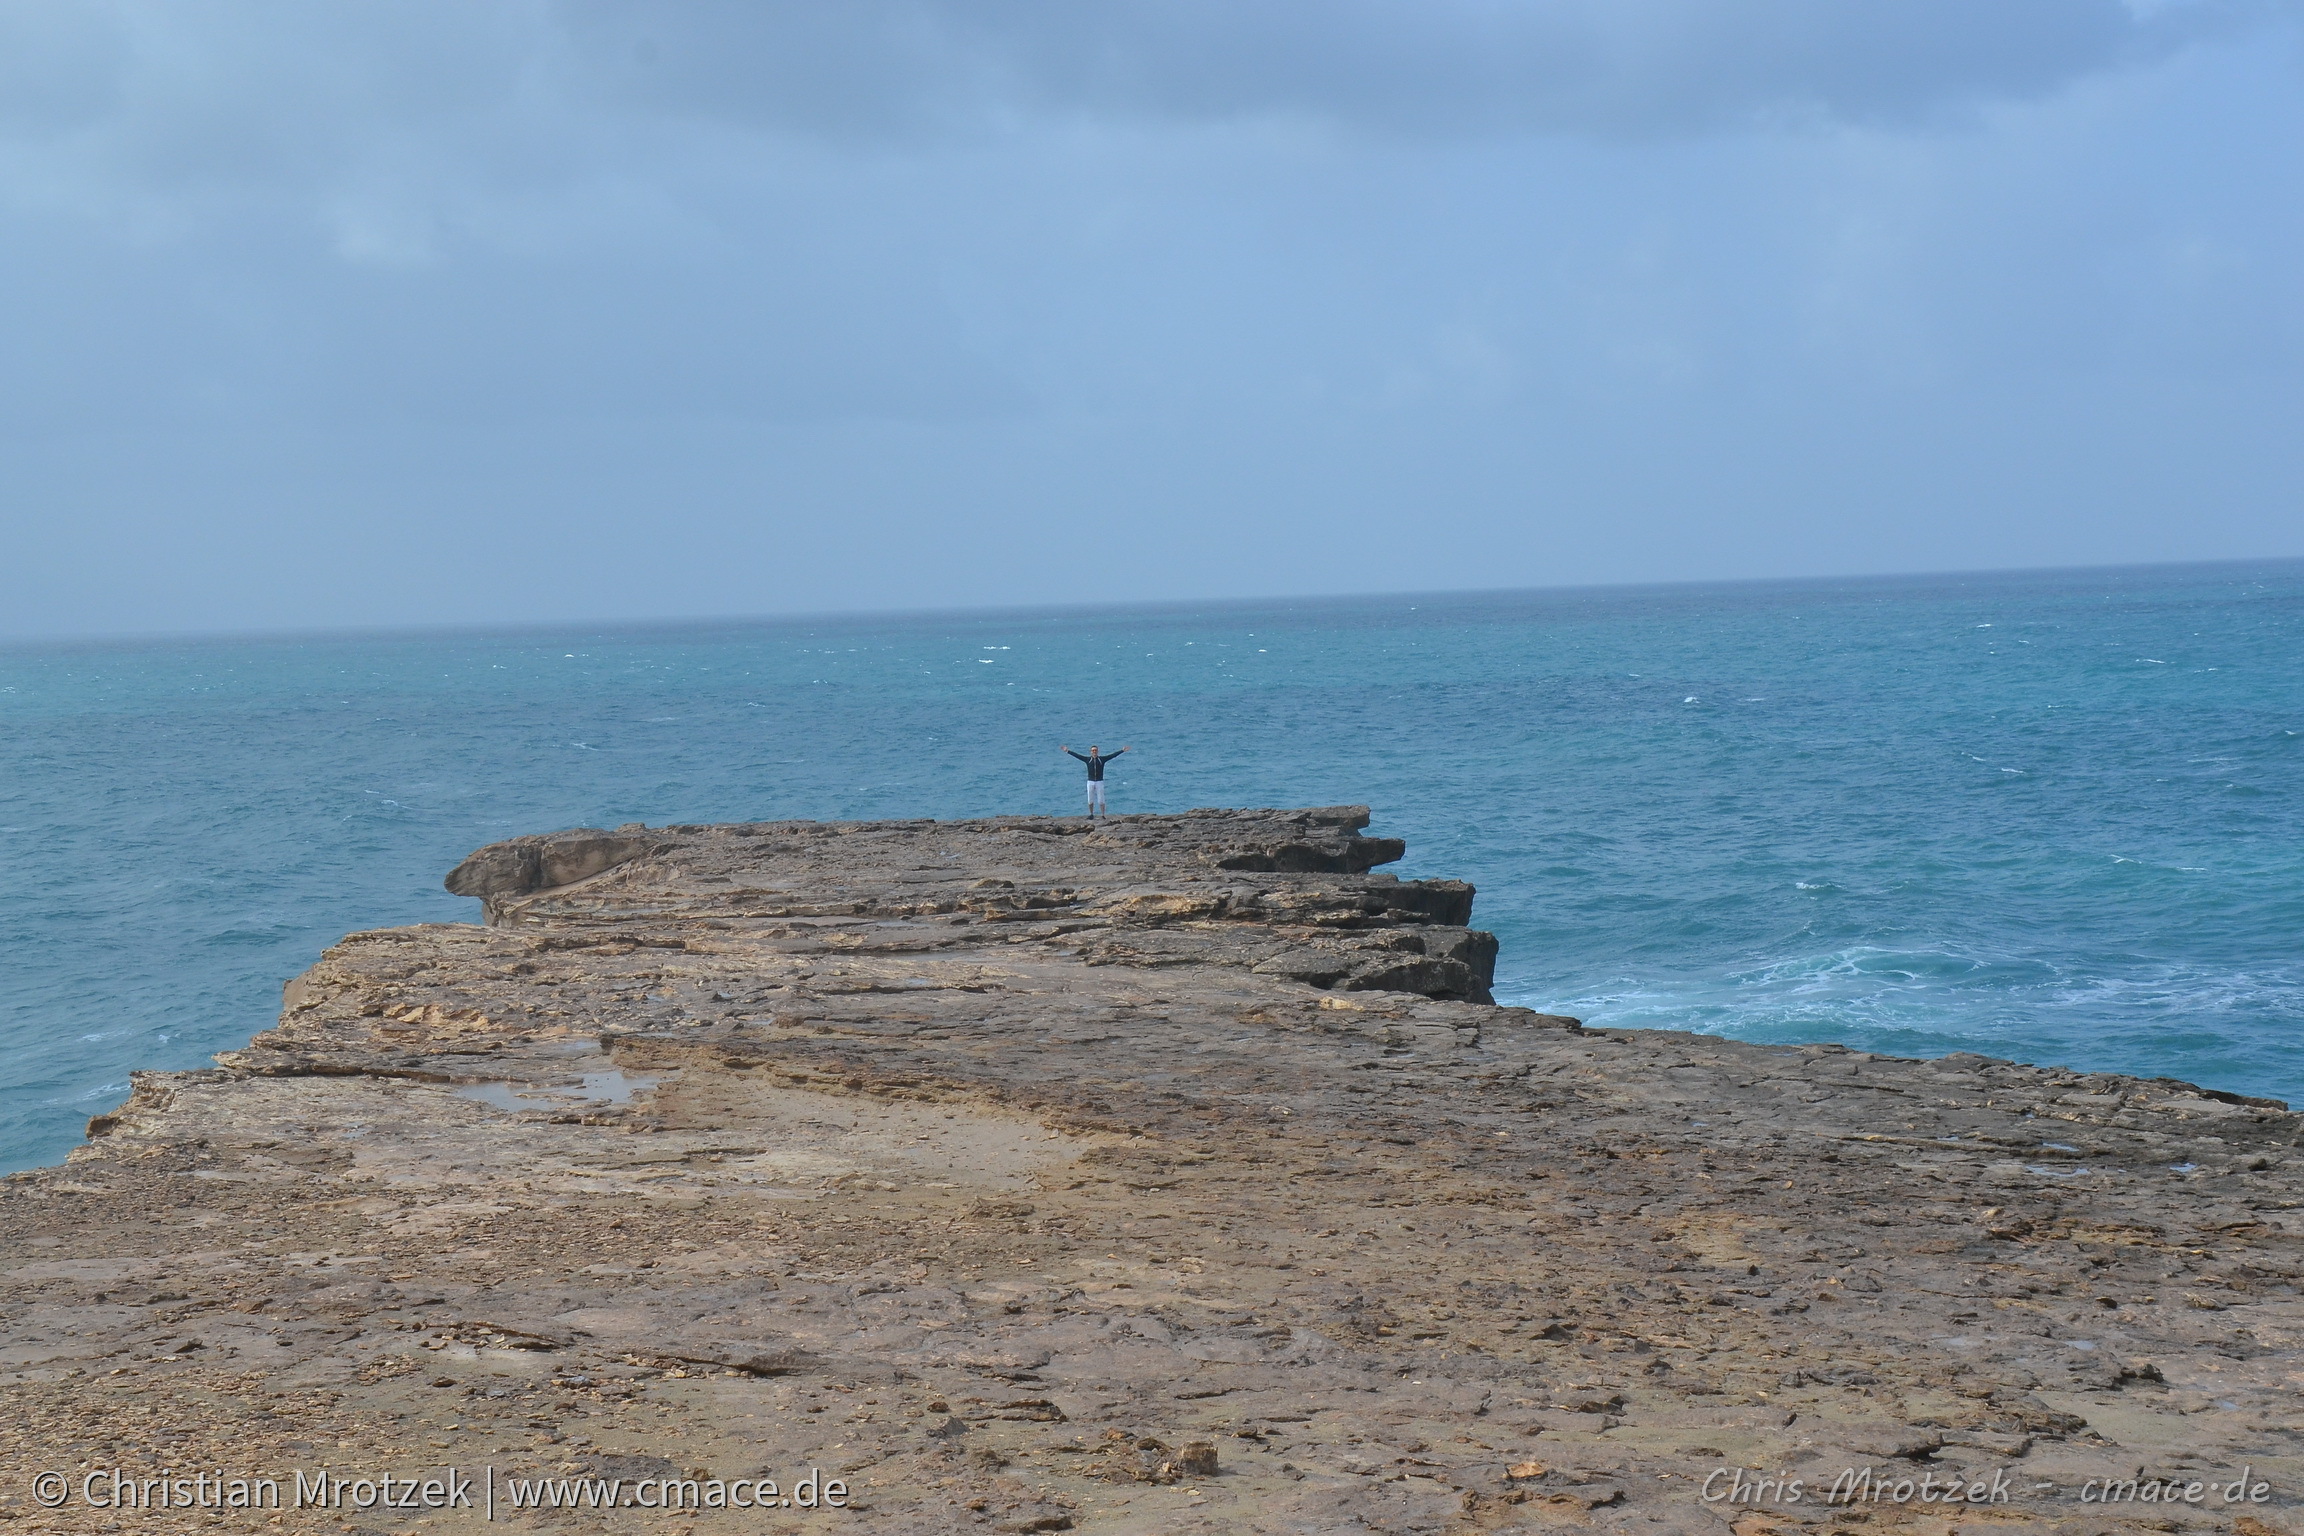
(1170, 1174)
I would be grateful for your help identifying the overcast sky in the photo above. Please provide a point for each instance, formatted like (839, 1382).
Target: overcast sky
(320, 314)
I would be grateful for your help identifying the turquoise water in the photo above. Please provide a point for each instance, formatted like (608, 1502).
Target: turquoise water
(2052, 817)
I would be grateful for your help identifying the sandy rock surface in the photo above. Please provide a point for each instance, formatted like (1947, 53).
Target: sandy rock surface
(1176, 1175)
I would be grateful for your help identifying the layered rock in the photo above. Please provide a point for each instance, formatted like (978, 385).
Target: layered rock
(1171, 1174)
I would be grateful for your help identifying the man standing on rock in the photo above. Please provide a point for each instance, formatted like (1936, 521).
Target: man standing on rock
(1096, 759)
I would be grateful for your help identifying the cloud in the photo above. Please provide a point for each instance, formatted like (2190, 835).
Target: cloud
(264, 90)
(843, 284)
(390, 130)
(1611, 67)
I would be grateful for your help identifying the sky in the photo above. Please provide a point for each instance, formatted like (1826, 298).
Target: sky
(400, 313)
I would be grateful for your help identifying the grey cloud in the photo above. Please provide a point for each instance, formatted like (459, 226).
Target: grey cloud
(923, 303)
(897, 67)
(263, 90)
(390, 126)
(261, 95)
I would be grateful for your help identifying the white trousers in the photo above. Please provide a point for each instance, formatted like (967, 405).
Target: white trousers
(1095, 794)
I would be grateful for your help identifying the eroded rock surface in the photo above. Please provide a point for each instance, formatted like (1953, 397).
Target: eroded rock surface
(1172, 1176)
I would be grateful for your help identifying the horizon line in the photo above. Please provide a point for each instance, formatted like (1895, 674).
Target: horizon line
(290, 633)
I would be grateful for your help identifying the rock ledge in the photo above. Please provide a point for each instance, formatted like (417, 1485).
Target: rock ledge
(1176, 1174)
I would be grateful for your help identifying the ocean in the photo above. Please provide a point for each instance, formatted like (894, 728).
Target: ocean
(2056, 817)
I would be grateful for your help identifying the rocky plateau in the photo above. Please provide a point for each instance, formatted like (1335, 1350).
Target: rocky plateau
(1166, 1174)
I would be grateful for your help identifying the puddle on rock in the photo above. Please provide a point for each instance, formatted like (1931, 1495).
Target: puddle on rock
(610, 1087)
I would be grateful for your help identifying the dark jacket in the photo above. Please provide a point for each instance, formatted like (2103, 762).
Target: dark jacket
(1095, 762)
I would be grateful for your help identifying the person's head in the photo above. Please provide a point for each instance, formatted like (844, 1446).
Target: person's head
(1093, 749)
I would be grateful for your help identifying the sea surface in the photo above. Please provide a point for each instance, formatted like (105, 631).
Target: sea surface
(2055, 817)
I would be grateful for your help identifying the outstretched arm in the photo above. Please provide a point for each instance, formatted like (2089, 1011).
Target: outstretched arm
(1116, 754)
(1068, 752)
